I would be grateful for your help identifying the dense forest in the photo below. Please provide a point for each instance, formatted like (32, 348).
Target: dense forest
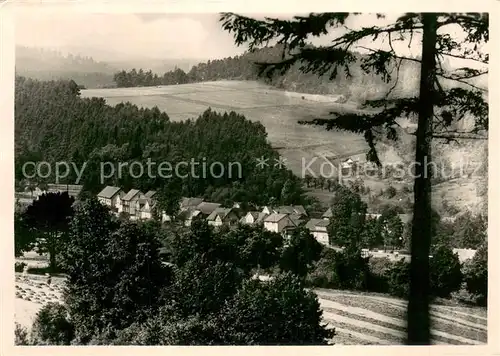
(47, 64)
(53, 123)
(358, 84)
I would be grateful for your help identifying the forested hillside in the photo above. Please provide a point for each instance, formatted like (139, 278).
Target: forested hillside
(359, 85)
(52, 123)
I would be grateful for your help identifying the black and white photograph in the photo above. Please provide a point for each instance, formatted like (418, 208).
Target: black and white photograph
(250, 178)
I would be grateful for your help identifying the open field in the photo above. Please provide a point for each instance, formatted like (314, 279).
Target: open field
(278, 111)
(32, 294)
(359, 319)
(301, 146)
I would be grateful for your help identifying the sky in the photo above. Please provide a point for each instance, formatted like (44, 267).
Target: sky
(125, 36)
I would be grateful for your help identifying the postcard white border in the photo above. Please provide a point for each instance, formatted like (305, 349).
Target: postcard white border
(7, 60)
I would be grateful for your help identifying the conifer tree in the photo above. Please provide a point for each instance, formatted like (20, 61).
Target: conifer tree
(446, 96)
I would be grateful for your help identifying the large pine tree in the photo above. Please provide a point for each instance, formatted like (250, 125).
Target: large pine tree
(439, 105)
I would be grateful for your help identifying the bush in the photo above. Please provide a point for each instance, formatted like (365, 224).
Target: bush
(391, 192)
(322, 273)
(351, 270)
(277, 312)
(398, 277)
(476, 276)
(378, 277)
(52, 327)
(445, 272)
(343, 270)
(19, 266)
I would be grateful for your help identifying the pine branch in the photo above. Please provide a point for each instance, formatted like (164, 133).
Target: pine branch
(292, 32)
(458, 56)
(390, 52)
(469, 73)
(460, 80)
(318, 60)
(459, 135)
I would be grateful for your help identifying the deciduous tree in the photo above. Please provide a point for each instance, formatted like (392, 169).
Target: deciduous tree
(47, 218)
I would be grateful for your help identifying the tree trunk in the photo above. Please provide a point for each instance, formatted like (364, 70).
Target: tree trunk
(418, 306)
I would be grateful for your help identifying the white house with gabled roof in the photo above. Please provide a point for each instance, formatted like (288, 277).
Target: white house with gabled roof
(279, 223)
(110, 196)
(129, 201)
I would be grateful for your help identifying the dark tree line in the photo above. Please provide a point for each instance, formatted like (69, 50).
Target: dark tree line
(244, 67)
(52, 123)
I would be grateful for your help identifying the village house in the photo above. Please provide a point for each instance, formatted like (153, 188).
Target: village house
(129, 201)
(318, 228)
(207, 208)
(298, 210)
(253, 217)
(150, 194)
(201, 211)
(327, 214)
(186, 206)
(348, 163)
(146, 210)
(110, 196)
(144, 206)
(405, 218)
(222, 216)
(189, 203)
(191, 216)
(73, 190)
(298, 220)
(280, 223)
(267, 210)
(37, 192)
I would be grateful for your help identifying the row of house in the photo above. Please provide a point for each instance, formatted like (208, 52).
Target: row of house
(281, 219)
(138, 205)
(34, 193)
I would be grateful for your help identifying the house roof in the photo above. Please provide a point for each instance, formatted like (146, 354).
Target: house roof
(296, 218)
(275, 217)
(72, 189)
(376, 216)
(255, 214)
(328, 213)
(405, 218)
(131, 194)
(299, 209)
(284, 209)
(207, 208)
(313, 224)
(261, 217)
(221, 212)
(143, 206)
(109, 192)
(150, 194)
(288, 209)
(190, 202)
(195, 213)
